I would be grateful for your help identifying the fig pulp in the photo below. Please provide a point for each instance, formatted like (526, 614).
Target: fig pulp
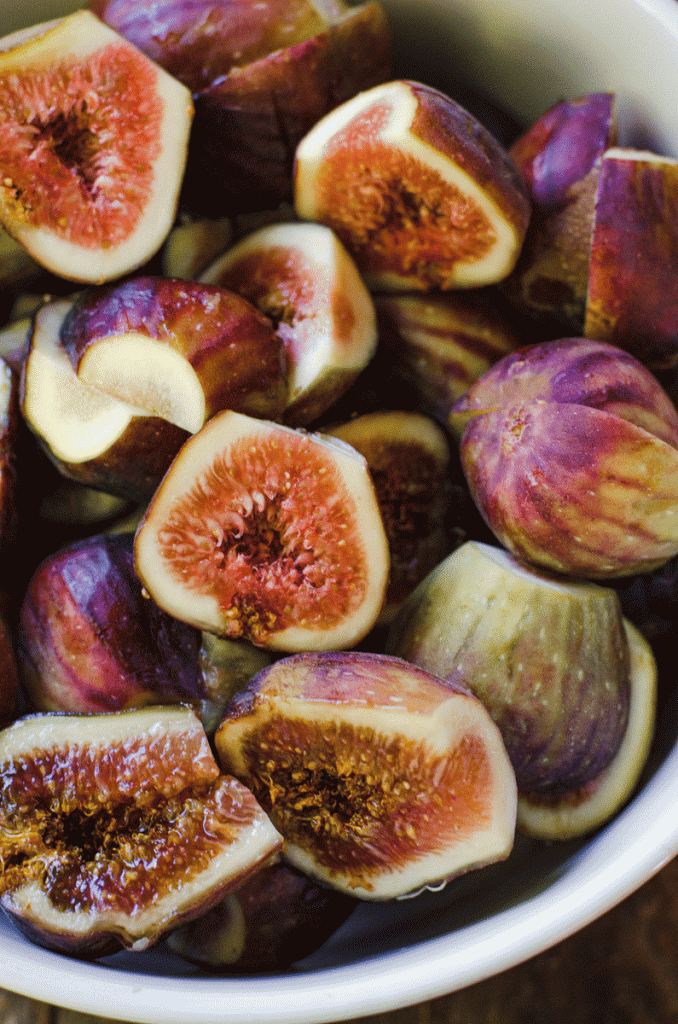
(116, 828)
(267, 533)
(382, 778)
(93, 143)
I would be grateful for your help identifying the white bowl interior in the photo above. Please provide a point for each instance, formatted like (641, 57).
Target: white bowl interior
(526, 54)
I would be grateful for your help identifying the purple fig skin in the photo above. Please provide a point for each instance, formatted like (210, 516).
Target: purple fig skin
(563, 146)
(575, 371)
(574, 489)
(90, 641)
(632, 294)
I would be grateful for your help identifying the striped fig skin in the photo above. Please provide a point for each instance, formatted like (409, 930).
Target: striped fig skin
(574, 489)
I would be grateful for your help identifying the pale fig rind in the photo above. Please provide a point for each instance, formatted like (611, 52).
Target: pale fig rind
(303, 279)
(383, 779)
(419, 192)
(548, 658)
(632, 298)
(168, 835)
(580, 813)
(267, 533)
(114, 213)
(573, 371)
(574, 489)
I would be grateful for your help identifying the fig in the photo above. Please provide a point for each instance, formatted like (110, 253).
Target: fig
(9, 676)
(90, 641)
(267, 533)
(273, 919)
(408, 457)
(91, 437)
(570, 455)
(302, 278)
(225, 666)
(178, 349)
(440, 343)
(420, 193)
(548, 658)
(192, 245)
(559, 158)
(118, 827)
(93, 144)
(383, 779)
(632, 299)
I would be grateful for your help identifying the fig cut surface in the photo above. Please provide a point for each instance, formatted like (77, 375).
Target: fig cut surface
(90, 182)
(421, 194)
(383, 779)
(268, 533)
(118, 827)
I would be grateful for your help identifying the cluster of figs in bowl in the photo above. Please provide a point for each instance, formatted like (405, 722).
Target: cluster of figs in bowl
(338, 499)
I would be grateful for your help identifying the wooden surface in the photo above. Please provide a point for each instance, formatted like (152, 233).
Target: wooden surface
(621, 969)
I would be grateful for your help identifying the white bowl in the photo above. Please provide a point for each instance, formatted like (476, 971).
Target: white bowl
(527, 54)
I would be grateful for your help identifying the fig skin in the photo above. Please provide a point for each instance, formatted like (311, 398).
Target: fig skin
(632, 300)
(267, 533)
(548, 658)
(587, 486)
(559, 157)
(420, 193)
(383, 779)
(277, 917)
(9, 677)
(90, 641)
(181, 350)
(118, 827)
(91, 191)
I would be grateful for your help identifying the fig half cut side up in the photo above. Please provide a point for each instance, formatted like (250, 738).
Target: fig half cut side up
(118, 827)
(383, 779)
(90, 181)
(268, 533)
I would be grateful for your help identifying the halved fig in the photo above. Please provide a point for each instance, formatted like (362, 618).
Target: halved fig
(302, 278)
(421, 194)
(91, 437)
(408, 456)
(181, 350)
(93, 137)
(89, 639)
(559, 158)
(273, 919)
(268, 533)
(632, 298)
(117, 828)
(440, 343)
(383, 779)
(548, 658)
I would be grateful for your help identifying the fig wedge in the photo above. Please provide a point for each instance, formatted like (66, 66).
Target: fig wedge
(420, 193)
(268, 533)
(91, 437)
(90, 180)
(383, 779)
(117, 828)
(178, 349)
(302, 278)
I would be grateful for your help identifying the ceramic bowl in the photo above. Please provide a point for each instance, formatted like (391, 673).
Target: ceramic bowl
(525, 55)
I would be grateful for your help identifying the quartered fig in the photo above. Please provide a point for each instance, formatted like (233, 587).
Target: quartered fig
(570, 453)
(90, 641)
(275, 918)
(117, 828)
(303, 279)
(421, 194)
(559, 158)
(178, 349)
(382, 778)
(93, 143)
(91, 437)
(408, 456)
(558, 668)
(267, 533)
